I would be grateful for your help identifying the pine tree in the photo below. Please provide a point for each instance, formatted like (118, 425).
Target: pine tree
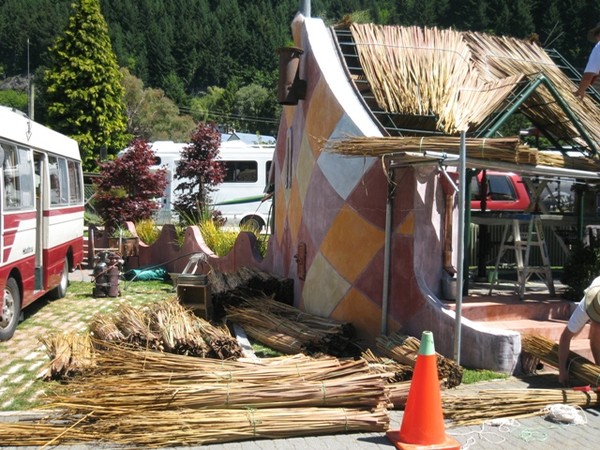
(83, 85)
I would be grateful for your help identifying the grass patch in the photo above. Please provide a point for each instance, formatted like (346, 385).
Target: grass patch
(262, 351)
(472, 376)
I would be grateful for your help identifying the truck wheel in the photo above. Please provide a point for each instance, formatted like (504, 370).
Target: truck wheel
(252, 223)
(11, 310)
(61, 290)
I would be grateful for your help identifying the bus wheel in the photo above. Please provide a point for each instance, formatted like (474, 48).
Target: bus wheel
(61, 290)
(252, 223)
(11, 310)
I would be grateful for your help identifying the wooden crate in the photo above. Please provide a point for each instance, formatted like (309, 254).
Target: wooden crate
(197, 298)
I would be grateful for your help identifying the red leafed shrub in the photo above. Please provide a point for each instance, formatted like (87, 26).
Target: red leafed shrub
(127, 189)
(199, 171)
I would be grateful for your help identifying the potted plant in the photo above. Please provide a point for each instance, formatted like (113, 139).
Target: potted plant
(124, 241)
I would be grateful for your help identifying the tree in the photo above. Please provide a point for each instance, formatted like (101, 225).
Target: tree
(199, 171)
(255, 106)
(151, 115)
(127, 188)
(84, 94)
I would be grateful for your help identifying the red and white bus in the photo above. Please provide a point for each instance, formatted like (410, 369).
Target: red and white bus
(41, 214)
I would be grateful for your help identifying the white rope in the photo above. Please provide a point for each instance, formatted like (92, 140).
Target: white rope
(560, 412)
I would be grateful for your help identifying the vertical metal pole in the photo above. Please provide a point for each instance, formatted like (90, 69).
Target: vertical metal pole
(305, 8)
(387, 253)
(461, 244)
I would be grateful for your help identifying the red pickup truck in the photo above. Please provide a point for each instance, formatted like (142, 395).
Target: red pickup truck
(505, 191)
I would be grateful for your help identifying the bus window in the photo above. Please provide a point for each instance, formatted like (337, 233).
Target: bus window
(58, 181)
(75, 191)
(18, 178)
(267, 172)
(241, 172)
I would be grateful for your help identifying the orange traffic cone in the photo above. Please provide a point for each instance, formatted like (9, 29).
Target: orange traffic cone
(423, 420)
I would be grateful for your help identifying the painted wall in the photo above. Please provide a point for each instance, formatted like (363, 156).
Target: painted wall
(333, 208)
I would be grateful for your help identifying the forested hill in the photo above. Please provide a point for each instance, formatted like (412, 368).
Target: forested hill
(187, 46)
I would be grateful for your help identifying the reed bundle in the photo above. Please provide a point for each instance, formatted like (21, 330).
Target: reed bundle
(509, 150)
(70, 353)
(122, 363)
(547, 351)
(290, 330)
(120, 396)
(377, 364)
(405, 349)
(471, 409)
(231, 289)
(165, 326)
(398, 393)
(190, 427)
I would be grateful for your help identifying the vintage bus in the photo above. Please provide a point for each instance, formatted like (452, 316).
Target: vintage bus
(41, 214)
(240, 197)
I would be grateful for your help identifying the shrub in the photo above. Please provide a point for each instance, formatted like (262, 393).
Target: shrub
(126, 189)
(147, 231)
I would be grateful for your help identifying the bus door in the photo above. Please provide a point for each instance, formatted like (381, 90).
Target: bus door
(39, 170)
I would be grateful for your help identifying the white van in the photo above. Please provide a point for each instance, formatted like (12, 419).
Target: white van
(240, 197)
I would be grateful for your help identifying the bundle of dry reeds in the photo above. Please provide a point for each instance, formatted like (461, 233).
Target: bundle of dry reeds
(70, 353)
(108, 396)
(377, 364)
(290, 330)
(231, 289)
(547, 351)
(191, 427)
(113, 360)
(470, 409)
(165, 326)
(404, 349)
(497, 149)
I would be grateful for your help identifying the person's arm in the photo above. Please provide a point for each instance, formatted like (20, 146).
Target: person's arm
(564, 346)
(586, 82)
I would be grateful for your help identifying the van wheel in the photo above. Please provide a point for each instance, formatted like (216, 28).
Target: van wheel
(61, 290)
(11, 310)
(252, 223)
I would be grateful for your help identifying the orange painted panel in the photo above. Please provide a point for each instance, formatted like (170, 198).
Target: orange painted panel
(350, 231)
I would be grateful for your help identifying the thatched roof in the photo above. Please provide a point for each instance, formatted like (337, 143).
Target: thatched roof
(445, 81)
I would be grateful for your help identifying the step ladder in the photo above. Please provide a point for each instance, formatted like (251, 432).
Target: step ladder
(512, 241)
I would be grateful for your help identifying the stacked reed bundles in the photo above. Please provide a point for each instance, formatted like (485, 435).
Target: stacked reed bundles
(405, 349)
(290, 330)
(138, 397)
(547, 351)
(188, 427)
(165, 326)
(471, 409)
(70, 353)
